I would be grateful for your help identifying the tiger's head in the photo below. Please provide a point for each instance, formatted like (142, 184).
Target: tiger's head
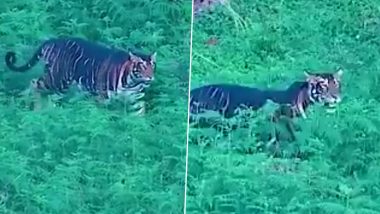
(325, 87)
(142, 67)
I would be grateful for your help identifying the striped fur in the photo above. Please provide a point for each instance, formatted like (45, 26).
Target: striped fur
(94, 68)
(226, 99)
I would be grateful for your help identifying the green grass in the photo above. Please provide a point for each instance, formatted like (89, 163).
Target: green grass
(340, 168)
(82, 158)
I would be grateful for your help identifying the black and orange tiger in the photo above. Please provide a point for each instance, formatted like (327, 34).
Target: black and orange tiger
(94, 68)
(227, 99)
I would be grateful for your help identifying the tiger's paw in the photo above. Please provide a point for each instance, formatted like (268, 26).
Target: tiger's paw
(138, 109)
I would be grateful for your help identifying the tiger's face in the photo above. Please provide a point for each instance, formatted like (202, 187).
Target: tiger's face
(325, 87)
(143, 68)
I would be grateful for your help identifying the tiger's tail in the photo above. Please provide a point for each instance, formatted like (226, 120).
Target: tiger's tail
(10, 61)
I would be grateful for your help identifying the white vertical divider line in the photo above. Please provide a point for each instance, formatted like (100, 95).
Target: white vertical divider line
(188, 103)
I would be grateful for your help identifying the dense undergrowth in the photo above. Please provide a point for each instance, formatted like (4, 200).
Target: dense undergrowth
(269, 45)
(82, 158)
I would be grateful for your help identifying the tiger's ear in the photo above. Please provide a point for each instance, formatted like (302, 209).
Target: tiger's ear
(338, 73)
(308, 74)
(153, 57)
(310, 77)
(133, 57)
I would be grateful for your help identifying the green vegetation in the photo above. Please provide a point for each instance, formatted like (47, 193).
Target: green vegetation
(268, 44)
(82, 158)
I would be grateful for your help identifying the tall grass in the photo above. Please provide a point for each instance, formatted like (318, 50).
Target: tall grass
(338, 171)
(81, 158)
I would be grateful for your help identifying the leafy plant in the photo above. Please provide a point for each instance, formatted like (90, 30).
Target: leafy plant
(333, 167)
(81, 158)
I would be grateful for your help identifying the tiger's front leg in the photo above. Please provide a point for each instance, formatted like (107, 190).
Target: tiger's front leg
(134, 98)
(137, 106)
(140, 111)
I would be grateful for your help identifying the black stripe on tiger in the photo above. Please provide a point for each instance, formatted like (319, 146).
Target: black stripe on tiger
(95, 68)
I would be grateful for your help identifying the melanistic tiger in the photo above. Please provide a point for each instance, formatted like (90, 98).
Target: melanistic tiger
(227, 99)
(94, 68)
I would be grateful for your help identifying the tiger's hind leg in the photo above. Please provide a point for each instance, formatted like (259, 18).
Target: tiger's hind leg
(36, 94)
(40, 91)
(32, 96)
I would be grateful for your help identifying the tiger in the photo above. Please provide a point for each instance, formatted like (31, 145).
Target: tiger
(228, 99)
(94, 68)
